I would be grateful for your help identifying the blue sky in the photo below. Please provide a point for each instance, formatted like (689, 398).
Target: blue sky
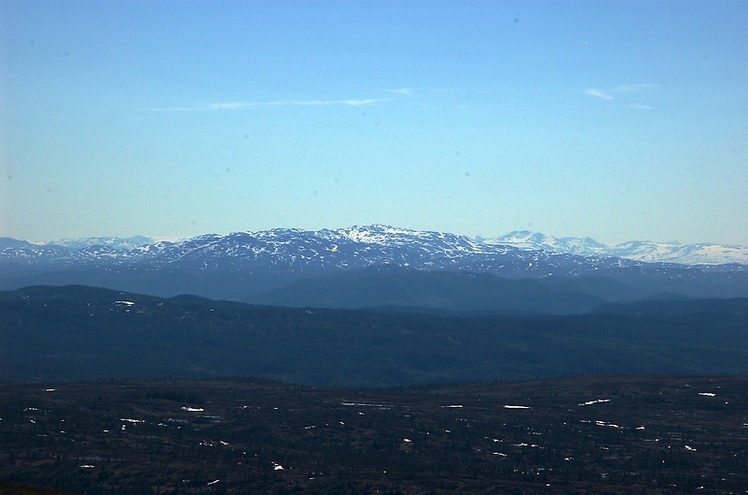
(618, 120)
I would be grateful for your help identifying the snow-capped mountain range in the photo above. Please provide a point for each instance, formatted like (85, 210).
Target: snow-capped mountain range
(377, 263)
(363, 246)
(646, 251)
(296, 250)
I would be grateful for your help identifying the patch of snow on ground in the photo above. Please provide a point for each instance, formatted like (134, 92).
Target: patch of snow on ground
(604, 423)
(591, 402)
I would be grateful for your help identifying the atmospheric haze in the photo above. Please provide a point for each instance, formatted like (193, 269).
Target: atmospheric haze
(618, 120)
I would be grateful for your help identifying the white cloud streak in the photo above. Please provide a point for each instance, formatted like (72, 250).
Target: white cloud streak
(608, 94)
(244, 105)
(598, 93)
(400, 91)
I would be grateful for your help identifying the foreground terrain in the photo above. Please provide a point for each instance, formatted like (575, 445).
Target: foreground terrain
(614, 435)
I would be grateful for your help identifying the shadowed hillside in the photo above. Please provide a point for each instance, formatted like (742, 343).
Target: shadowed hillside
(18, 489)
(82, 333)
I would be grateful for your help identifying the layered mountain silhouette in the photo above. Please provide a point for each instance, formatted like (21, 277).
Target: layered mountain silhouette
(370, 266)
(84, 333)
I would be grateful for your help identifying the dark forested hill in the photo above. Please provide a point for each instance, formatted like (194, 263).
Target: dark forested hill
(459, 291)
(74, 333)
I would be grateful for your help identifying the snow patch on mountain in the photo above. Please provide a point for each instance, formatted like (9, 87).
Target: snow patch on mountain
(115, 243)
(644, 251)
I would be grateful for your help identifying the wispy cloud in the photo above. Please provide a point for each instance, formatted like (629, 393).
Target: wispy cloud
(598, 93)
(620, 93)
(400, 91)
(610, 93)
(243, 105)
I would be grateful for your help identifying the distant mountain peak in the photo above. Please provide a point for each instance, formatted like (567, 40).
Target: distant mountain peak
(644, 251)
(116, 243)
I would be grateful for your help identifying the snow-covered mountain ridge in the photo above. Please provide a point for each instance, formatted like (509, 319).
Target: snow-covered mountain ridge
(242, 265)
(645, 251)
(308, 244)
(353, 247)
